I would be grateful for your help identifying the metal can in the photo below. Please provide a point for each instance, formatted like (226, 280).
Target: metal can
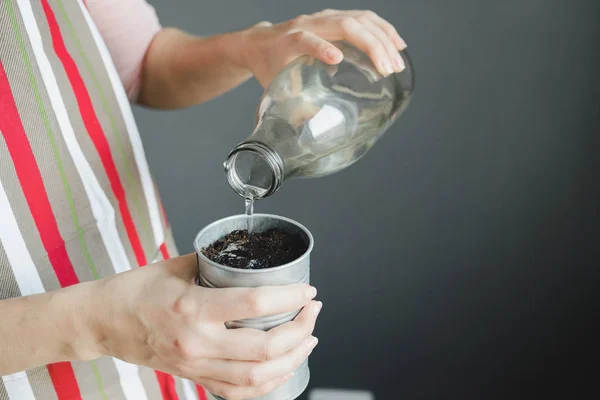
(214, 275)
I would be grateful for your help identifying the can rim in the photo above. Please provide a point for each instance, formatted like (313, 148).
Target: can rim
(306, 254)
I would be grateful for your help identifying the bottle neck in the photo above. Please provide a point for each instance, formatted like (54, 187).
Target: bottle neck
(254, 170)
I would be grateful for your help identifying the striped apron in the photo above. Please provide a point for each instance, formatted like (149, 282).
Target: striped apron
(77, 200)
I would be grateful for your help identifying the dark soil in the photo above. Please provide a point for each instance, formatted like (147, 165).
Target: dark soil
(268, 249)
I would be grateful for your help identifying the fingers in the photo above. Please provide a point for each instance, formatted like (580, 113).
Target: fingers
(253, 373)
(305, 42)
(386, 42)
(255, 345)
(233, 379)
(241, 303)
(389, 30)
(364, 29)
(357, 34)
(234, 392)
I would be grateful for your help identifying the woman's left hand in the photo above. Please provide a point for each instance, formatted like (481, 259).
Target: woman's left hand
(266, 48)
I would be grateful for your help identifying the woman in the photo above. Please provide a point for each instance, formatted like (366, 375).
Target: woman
(80, 214)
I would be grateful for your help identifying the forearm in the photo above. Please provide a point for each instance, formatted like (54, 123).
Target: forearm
(181, 70)
(46, 328)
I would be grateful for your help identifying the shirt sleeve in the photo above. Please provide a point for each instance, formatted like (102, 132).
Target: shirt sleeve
(127, 27)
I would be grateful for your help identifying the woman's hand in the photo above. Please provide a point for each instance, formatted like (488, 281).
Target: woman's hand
(181, 70)
(266, 48)
(157, 316)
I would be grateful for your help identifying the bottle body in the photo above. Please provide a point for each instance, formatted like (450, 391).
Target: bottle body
(316, 119)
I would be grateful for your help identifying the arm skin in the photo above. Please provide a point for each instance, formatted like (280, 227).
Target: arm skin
(181, 70)
(158, 317)
(47, 328)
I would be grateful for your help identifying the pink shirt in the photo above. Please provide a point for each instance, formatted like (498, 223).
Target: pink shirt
(127, 27)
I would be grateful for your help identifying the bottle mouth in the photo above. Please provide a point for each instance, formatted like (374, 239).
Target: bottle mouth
(254, 170)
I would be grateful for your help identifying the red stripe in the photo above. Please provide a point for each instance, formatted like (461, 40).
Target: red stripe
(167, 385)
(95, 131)
(30, 178)
(33, 187)
(63, 379)
(201, 393)
(164, 251)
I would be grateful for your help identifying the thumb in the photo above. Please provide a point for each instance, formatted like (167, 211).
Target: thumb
(185, 266)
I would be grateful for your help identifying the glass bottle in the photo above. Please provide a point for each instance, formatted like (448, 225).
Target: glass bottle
(315, 119)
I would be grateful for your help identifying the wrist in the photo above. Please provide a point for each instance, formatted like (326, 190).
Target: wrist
(80, 332)
(234, 46)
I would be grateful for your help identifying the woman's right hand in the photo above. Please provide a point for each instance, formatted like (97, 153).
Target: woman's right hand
(158, 317)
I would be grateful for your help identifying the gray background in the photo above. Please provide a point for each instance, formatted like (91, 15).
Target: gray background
(455, 260)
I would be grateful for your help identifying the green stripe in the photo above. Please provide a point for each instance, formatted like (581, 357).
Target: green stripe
(57, 158)
(53, 144)
(128, 173)
(98, 379)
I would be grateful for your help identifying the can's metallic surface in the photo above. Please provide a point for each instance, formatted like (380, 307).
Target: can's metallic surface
(213, 275)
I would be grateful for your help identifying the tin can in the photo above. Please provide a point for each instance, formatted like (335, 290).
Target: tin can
(214, 275)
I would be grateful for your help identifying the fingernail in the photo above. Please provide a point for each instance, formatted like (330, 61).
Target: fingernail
(318, 308)
(312, 292)
(386, 67)
(333, 54)
(313, 343)
(310, 342)
(401, 44)
(398, 64)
